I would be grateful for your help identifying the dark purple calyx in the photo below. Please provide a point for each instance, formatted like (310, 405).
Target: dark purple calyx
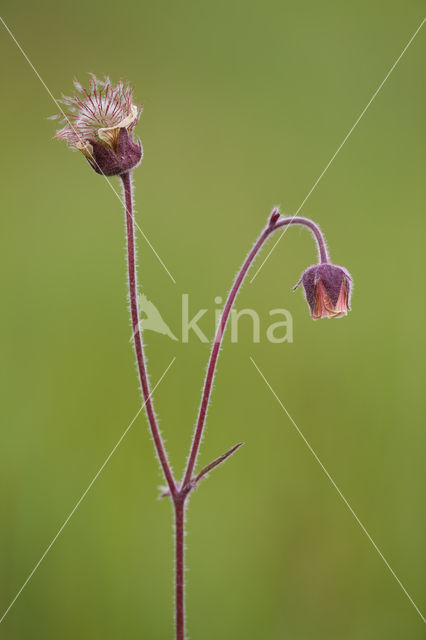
(332, 278)
(109, 161)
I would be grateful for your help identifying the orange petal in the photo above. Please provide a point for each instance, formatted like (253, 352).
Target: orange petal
(324, 307)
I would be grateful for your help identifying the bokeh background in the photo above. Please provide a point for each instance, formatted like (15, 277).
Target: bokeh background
(244, 104)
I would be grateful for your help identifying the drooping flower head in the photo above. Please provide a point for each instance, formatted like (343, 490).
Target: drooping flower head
(99, 122)
(327, 290)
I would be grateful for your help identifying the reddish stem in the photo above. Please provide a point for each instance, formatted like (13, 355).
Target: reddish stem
(179, 505)
(137, 338)
(274, 224)
(180, 493)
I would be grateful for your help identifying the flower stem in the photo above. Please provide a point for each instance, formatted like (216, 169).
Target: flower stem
(275, 223)
(137, 338)
(179, 493)
(179, 506)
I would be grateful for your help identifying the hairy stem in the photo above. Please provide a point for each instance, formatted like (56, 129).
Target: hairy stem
(275, 223)
(179, 506)
(179, 493)
(137, 338)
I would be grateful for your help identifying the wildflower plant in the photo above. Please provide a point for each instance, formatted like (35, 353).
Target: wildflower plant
(99, 122)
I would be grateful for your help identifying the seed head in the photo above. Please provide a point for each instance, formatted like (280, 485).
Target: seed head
(327, 290)
(99, 122)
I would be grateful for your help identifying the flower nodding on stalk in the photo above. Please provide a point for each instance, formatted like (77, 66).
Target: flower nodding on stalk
(327, 290)
(99, 122)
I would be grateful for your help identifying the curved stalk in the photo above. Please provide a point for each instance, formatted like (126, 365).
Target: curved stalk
(275, 223)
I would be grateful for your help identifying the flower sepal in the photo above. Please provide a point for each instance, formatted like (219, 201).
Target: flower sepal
(110, 161)
(327, 290)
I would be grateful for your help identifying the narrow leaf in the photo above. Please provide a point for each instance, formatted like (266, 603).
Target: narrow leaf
(215, 463)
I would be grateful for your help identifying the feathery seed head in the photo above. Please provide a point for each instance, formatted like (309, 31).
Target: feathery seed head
(99, 122)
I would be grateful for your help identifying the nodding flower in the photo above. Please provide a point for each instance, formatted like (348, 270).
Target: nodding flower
(327, 290)
(99, 122)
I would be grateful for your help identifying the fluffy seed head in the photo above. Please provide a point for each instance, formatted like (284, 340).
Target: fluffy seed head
(99, 122)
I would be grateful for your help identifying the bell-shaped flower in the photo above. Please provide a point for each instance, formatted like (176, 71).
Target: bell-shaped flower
(327, 290)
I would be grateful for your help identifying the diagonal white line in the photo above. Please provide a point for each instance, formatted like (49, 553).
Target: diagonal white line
(339, 491)
(355, 124)
(84, 494)
(71, 125)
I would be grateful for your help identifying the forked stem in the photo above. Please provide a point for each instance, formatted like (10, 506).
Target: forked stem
(179, 493)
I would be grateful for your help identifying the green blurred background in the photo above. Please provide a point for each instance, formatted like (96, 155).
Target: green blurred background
(244, 104)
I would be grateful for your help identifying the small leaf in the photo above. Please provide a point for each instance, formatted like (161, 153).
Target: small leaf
(215, 463)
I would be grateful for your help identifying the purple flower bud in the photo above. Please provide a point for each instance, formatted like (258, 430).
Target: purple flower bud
(327, 290)
(99, 123)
